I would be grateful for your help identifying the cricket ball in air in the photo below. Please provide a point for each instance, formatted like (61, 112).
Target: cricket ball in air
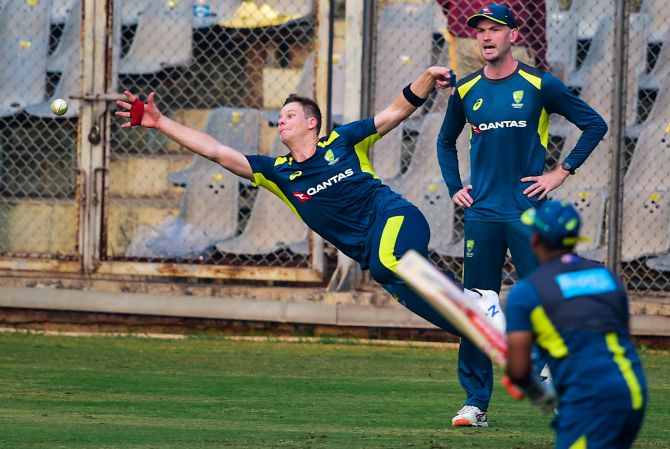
(59, 106)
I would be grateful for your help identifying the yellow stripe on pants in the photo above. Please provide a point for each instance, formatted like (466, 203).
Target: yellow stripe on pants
(387, 242)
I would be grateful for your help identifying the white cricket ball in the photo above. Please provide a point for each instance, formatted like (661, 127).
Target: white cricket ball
(59, 106)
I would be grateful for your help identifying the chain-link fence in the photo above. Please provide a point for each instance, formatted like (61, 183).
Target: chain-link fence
(225, 67)
(38, 211)
(576, 41)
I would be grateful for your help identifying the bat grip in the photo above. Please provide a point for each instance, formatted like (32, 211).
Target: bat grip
(512, 389)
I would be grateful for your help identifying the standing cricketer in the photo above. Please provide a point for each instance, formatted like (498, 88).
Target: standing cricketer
(507, 105)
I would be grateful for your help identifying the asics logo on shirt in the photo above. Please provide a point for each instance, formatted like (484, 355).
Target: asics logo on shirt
(503, 124)
(294, 175)
(330, 181)
(477, 104)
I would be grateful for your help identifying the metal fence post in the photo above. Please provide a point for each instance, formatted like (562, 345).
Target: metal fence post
(618, 124)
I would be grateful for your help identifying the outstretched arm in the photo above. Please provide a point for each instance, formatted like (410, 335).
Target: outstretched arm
(201, 143)
(401, 108)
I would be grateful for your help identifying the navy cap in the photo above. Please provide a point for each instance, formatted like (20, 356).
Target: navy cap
(498, 13)
(557, 222)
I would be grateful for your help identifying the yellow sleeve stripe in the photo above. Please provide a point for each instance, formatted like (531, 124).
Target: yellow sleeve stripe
(262, 181)
(580, 443)
(532, 79)
(543, 128)
(362, 149)
(547, 335)
(626, 368)
(333, 135)
(464, 88)
(388, 240)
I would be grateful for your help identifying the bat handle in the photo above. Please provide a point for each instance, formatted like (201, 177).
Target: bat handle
(512, 389)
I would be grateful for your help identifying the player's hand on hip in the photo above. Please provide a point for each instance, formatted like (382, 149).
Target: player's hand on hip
(543, 184)
(462, 197)
(140, 114)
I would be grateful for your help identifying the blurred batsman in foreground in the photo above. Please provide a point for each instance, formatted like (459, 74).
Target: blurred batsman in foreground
(576, 311)
(330, 184)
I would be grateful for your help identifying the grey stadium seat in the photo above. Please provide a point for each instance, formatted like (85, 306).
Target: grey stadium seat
(646, 202)
(657, 10)
(24, 45)
(588, 188)
(163, 39)
(661, 71)
(60, 10)
(272, 225)
(67, 51)
(399, 61)
(131, 10)
(67, 60)
(561, 39)
(237, 128)
(600, 51)
(209, 208)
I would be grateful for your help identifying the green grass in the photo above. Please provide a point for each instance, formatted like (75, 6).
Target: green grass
(201, 392)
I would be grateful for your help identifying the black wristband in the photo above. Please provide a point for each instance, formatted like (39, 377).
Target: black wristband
(413, 99)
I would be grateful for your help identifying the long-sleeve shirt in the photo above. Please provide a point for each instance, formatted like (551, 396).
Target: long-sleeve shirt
(509, 133)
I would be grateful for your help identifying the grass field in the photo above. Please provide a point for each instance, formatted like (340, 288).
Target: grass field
(208, 392)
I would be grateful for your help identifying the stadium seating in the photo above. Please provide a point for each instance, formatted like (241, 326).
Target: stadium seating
(163, 39)
(60, 11)
(131, 10)
(24, 45)
(263, 13)
(272, 225)
(657, 10)
(587, 14)
(237, 128)
(661, 71)
(209, 208)
(67, 51)
(399, 60)
(66, 61)
(588, 188)
(600, 51)
(561, 39)
(646, 202)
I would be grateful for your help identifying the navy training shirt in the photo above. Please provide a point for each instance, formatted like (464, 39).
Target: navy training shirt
(335, 192)
(509, 133)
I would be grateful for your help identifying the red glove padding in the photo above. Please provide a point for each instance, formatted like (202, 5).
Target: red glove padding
(136, 112)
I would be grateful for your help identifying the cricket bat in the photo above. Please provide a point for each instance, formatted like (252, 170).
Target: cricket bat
(450, 302)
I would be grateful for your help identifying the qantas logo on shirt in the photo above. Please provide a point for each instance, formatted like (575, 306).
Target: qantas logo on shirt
(477, 129)
(329, 182)
(302, 197)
